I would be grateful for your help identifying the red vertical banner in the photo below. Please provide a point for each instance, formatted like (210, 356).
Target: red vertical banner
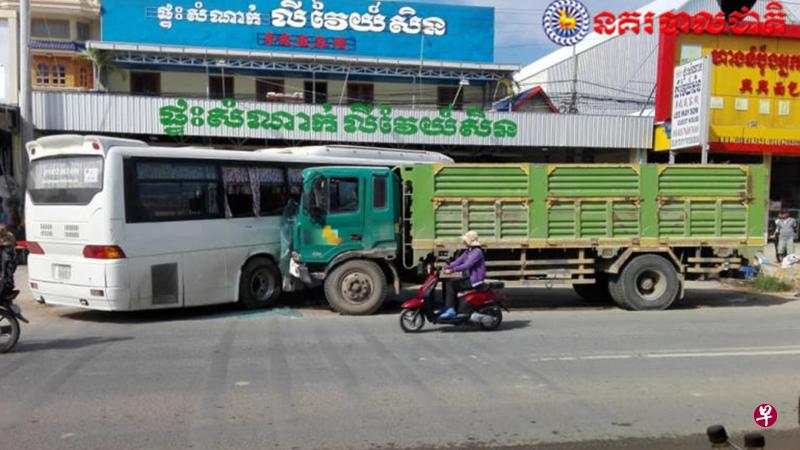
(665, 77)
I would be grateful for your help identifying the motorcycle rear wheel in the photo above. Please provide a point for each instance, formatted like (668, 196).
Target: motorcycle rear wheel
(495, 312)
(412, 320)
(9, 331)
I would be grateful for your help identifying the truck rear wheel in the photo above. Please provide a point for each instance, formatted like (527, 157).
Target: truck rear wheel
(356, 288)
(595, 293)
(647, 283)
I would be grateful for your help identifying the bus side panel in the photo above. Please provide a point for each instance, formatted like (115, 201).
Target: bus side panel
(177, 264)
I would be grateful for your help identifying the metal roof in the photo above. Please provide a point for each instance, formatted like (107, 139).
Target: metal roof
(301, 57)
(359, 151)
(95, 113)
(605, 87)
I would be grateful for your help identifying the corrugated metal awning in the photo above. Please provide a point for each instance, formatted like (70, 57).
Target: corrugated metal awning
(301, 57)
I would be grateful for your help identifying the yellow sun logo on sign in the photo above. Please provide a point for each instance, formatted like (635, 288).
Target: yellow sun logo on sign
(567, 22)
(331, 236)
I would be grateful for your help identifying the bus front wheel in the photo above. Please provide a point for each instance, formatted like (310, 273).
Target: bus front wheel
(356, 288)
(260, 284)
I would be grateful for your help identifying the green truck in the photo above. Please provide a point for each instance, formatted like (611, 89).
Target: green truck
(624, 232)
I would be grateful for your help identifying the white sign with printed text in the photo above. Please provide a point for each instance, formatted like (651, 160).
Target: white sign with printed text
(691, 95)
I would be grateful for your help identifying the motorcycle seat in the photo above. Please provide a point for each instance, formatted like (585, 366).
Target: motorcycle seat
(495, 285)
(472, 291)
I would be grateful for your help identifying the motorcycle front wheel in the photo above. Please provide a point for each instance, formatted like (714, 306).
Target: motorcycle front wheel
(9, 331)
(412, 320)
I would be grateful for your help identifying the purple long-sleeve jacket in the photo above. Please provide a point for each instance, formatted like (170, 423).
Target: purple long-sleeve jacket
(472, 264)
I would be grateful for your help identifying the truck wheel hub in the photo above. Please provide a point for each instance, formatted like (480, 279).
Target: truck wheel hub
(651, 284)
(356, 287)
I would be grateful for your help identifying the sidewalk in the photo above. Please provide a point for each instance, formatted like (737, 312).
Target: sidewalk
(774, 268)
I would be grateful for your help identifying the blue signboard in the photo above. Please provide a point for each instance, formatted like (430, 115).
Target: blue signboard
(395, 29)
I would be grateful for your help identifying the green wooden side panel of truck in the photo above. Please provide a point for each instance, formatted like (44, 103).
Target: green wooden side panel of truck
(584, 206)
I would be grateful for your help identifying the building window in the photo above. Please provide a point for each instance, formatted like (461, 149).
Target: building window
(265, 86)
(42, 74)
(145, 83)
(446, 96)
(315, 92)
(58, 75)
(84, 31)
(48, 28)
(83, 77)
(361, 93)
(220, 87)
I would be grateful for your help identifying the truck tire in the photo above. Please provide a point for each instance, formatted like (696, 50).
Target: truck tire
(597, 293)
(356, 288)
(260, 284)
(647, 283)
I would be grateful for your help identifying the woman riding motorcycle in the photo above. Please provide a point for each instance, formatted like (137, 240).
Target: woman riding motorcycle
(472, 265)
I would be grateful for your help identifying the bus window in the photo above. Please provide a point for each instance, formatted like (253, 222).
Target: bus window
(295, 183)
(66, 180)
(239, 200)
(272, 193)
(174, 191)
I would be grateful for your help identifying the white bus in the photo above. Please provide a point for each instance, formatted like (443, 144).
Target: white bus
(118, 225)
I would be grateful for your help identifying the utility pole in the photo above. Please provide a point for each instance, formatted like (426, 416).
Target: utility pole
(573, 102)
(25, 96)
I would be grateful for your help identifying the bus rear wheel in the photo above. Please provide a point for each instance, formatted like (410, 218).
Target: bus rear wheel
(356, 288)
(260, 284)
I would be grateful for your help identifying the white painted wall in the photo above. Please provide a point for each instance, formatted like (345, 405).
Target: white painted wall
(184, 83)
(5, 57)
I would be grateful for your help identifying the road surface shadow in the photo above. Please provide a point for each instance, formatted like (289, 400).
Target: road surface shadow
(298, 304)
(25, 346)
(775, 440)
(565, 299)
(507, 325)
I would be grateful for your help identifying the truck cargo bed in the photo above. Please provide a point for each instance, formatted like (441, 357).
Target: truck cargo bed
(548, 206)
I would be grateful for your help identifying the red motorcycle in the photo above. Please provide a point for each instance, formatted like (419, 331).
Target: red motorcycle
(480, 307)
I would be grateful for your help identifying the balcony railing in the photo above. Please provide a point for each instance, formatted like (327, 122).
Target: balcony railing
(104, 113)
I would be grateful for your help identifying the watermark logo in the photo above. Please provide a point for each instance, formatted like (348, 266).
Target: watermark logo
(765, 415)
(566, 22)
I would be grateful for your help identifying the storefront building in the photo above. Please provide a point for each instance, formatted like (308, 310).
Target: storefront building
(184, 72)
(59, 32)
(232, 73)
(753, 110)
(754, 104)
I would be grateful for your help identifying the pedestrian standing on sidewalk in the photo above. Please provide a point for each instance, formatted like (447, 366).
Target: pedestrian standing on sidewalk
(785, 232)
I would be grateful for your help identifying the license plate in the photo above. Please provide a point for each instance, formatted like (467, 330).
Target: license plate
(62, 272)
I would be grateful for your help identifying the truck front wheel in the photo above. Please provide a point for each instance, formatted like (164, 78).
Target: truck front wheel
(356, 288)
(648, 282)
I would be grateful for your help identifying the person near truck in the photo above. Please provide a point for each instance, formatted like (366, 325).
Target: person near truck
(472, 265)
(785, 232)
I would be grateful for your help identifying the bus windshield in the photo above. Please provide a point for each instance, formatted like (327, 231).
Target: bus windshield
(65, 180)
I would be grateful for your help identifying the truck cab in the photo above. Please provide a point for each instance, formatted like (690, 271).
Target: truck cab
(347, 235)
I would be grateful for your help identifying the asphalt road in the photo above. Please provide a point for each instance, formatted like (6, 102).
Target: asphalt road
(557, 373)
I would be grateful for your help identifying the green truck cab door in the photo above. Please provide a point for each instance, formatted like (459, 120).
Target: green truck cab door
(346, 209)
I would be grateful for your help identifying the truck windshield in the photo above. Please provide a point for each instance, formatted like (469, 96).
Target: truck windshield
(65, 180)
